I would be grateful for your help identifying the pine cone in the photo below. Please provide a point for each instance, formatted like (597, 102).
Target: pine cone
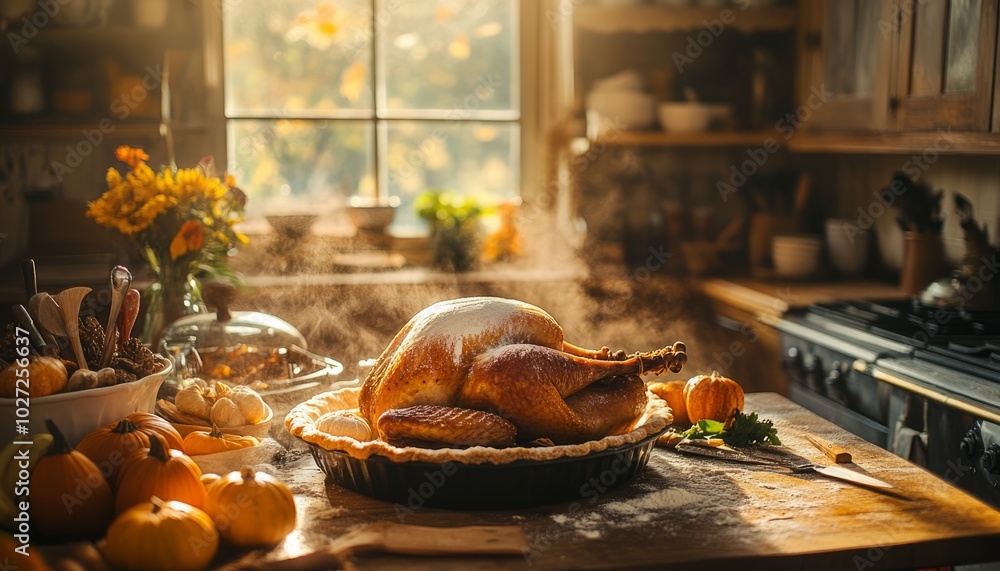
(92, 339)
(123, 376)
(8, 344)
(135, 358)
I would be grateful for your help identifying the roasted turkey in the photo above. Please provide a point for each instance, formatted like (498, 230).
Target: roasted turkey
(495, 372)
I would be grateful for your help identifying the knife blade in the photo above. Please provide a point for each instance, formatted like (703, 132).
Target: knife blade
(830, 471)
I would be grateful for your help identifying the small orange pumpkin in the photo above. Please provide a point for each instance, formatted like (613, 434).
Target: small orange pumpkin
(712, 397)
(150, 423)
(673, 393)
(162, 536)
(70, 499)
(159, 471)
(201, 442)
(110, 445)
(27, 559)
(251, 509)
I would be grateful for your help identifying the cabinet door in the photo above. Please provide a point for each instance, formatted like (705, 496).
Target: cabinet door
(847, 51)
(946, 65)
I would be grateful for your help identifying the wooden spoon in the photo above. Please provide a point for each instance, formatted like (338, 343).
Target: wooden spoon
(33, 304)
(50, 316)
(69, 301)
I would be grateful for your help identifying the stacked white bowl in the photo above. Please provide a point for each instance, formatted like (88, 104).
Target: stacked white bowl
(796, 256)
(848, 245)
(619, 102)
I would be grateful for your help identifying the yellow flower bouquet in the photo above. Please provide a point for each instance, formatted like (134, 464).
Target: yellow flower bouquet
(183, 222)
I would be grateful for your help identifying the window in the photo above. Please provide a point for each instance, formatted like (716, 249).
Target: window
(326, 101)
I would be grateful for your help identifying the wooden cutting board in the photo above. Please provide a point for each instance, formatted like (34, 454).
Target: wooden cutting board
(690, 512)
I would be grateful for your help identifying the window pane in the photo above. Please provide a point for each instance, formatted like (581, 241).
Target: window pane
(294, 166)
(471, 158)
(448, 54)
(297, 56)
(963, 43)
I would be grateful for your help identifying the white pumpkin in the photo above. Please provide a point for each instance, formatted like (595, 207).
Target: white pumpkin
(345, 423)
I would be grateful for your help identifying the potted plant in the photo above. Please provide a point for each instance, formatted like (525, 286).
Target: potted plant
(454, 226)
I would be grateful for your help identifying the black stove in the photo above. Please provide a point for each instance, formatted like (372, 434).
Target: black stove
(915, 379)
(960, 339)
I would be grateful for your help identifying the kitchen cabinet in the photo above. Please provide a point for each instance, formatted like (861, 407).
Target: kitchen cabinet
(946, 73)
(103, 77)
(913, 66)
(845, 56)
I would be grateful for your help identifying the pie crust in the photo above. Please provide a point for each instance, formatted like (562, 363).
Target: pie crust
(301, 423)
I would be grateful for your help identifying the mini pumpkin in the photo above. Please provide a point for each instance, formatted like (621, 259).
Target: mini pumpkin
(201, 442)
(673, 393)
(226, 413)
(70, 499)
(48, 376)
(110, 445)
(159, 535)
(209, 479)
(160, 471)
(251, 508)
(345, 423)
(712, 397)
(193, 400)
(152, 424)
(33, 561)
(250, 403)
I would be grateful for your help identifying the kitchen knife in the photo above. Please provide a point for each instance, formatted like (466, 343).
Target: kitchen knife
(830, 471)
(836, 453)
(34, 336)
(30, 277)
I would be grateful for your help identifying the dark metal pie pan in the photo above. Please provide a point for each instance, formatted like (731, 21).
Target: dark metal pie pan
(519, 484)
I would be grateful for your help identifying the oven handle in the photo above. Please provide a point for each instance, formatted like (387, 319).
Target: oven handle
(862, 366)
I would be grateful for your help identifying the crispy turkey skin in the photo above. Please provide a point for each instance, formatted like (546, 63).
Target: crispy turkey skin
(509, 359)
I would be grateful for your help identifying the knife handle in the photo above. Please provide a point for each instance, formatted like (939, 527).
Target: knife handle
(833, 452)
(30, 277)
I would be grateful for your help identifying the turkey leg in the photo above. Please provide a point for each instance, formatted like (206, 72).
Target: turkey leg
(604, 354)
(528, 384)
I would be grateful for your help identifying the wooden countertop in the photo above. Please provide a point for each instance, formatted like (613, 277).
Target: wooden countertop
(690, 512)
(768, 301)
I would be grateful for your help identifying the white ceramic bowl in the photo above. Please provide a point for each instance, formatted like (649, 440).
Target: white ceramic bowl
(628, 80)
(690, 117)
(79, 413)
(631, 109)
(848, 246)
(796, 256)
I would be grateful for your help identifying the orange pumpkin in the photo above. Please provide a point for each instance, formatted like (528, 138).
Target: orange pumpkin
(712, 397)
(162, 536)
(251, 509)
(673, 393)
(70, 499)
(201, 442)
(111, 444)
(159, 471)
(150, 423)
(33, 561)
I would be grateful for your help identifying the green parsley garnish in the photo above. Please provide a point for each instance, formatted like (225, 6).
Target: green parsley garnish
(745, 431)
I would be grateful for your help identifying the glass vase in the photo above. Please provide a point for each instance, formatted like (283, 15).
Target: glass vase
(174, 293)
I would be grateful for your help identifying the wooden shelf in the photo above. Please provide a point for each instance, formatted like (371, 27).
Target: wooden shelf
(700, 140)
(74, 128)
(954, 143)
(120, 39)
(639, 19)
(942, 143)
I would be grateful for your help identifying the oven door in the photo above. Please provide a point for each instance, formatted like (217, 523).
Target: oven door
(822, 378)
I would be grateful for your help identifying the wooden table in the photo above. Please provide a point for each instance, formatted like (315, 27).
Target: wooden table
(690, 512)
